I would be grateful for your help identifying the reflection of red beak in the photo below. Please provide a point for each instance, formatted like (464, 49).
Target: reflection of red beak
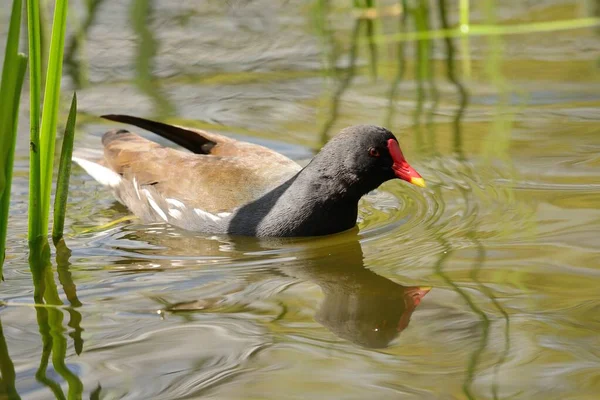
(412, 298)
(401, 167)
(417, 293)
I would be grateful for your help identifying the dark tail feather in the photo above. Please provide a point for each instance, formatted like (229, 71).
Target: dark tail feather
(186, 138)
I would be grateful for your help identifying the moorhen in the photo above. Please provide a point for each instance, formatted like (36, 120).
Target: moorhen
(226, 186)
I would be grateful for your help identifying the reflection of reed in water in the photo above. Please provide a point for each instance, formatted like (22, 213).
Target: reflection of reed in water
(481, 255)
(367, 25)
(141, 14)
(7, 368)
(370, 34)
(427, 94)
(451, 74)
(342, 86)
(50, 317)
(485, 322)
(400, 69)
(63, 253)
(75, 61)
(424, 74)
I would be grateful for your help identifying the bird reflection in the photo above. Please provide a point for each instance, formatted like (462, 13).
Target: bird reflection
(358, 305)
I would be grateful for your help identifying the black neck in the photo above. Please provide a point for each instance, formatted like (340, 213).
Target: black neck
(312, 203)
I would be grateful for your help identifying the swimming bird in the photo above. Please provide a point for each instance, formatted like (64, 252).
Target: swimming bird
(228, 186)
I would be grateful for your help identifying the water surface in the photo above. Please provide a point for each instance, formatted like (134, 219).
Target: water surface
(483, 285)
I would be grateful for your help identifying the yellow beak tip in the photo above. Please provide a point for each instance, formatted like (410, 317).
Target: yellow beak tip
(418, 181)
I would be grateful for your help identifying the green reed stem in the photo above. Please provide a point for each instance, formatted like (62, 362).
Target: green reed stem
(13, 117)
(45, 33)
(64, 173)
(35, 88)
(50, 108)
(13, 72)
(7, 90)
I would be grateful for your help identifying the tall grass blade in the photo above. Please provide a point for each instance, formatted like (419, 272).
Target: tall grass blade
(13, 72)
(35, 88)
(64, 173)
(8, 161)
(50, 109)
(44, 33)
(7, 87)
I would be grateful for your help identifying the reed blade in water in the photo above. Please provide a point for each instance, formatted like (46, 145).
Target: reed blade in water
(7, 159)
(13, 72)
(35, 97)
(64, 173)
(50, 108)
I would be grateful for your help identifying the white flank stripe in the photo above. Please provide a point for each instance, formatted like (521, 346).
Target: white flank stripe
(135, 186)
(175, 203)
(154, 205)
(206, 214)
(175, 213)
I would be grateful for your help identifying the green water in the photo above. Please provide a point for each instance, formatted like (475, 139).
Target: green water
(484, 285)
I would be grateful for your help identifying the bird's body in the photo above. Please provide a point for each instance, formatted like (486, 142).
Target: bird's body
(226, 186)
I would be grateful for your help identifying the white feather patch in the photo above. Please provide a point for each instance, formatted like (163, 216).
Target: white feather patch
(154, 205)
(135, 187)
(206, 214)
(175, 213)
(100, 173)
(175, 202)
(178, 207)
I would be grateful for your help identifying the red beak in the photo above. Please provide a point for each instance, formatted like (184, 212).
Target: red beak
(401, 167)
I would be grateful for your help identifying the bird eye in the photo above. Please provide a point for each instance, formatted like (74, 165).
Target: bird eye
(373, 152)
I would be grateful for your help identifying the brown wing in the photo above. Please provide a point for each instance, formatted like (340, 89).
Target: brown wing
(231, 174)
